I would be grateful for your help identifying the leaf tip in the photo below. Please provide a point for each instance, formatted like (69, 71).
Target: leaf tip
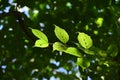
(77, 32)
(55, 25)
(30, 28)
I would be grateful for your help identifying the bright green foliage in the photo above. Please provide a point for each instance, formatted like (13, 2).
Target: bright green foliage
(83, 63)
(70, 50)
(89, 52)
(73, 51)
(40, 35)
(41, 43)
(59, 46)
(79, 46)
(85, 40)
(99, 22)
(43, 40)
(61, 34)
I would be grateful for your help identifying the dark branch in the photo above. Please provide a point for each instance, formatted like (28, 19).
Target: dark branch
(19, 17)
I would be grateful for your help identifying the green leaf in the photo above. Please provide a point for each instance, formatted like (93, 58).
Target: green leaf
(99, 22)
(59, 46)
(79, 46)
(102, 53)
(39, 34)
(89, 52)
(73, 51)
(85, 40)
(61, 34)
(112, 50)
(41, 43)
(83, 63)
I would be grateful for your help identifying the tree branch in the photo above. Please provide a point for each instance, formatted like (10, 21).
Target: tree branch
(19, 17)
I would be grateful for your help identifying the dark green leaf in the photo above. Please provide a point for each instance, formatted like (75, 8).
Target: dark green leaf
(112, 50)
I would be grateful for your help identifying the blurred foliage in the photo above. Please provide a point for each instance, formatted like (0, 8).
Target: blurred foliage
(19, 60)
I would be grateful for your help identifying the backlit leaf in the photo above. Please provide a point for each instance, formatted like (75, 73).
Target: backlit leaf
(73, 51)
(61, 34)
(39, 34)
(89, 52)
(85, 40)
(99, 22)
(59, 46)
(41, 43)
(83, 63)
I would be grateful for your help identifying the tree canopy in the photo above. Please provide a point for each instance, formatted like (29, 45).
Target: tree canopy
(59, 39)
